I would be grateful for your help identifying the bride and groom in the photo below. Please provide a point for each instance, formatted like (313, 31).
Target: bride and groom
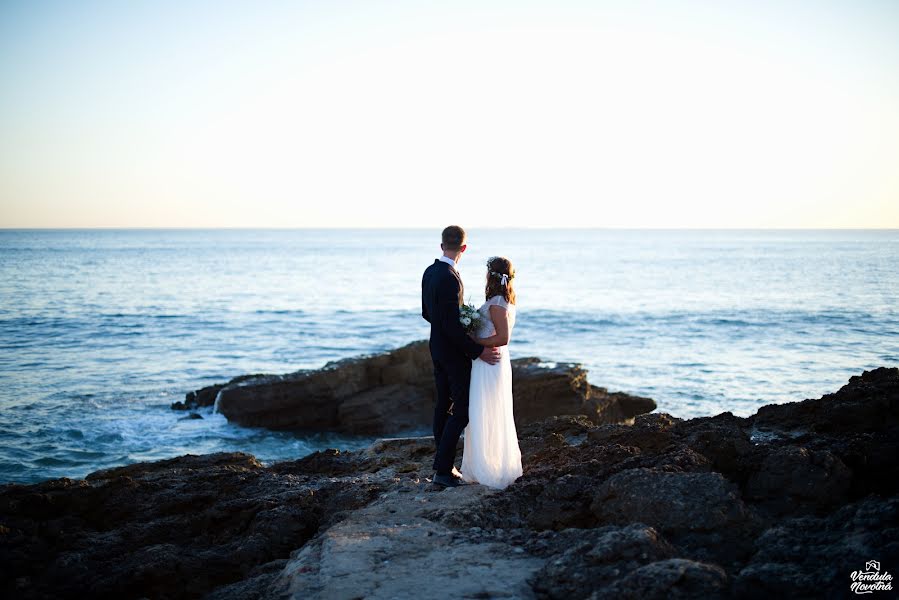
(472, 372)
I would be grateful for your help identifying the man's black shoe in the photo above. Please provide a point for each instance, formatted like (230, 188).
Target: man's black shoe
(447, 481)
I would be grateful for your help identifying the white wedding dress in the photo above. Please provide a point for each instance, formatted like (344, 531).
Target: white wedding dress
(491, 456)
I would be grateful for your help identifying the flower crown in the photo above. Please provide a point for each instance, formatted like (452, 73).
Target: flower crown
(504, 278)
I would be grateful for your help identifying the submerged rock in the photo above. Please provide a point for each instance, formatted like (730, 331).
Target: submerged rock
(658, 508)
(394, 392)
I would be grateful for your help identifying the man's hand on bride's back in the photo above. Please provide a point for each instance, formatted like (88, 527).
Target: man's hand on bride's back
(490, 355)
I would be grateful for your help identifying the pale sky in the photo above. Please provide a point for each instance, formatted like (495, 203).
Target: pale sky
(404, 114)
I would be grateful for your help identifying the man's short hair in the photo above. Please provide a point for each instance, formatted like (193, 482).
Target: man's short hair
(453, 237)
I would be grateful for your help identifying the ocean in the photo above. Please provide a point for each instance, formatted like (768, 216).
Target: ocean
(100, 330)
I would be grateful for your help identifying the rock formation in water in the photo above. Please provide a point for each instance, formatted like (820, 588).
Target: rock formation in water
(394, 391)
(787, 503)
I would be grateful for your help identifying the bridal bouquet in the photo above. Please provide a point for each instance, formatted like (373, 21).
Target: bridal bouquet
(470, 318)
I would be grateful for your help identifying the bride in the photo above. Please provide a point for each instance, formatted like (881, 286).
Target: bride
(491, 456)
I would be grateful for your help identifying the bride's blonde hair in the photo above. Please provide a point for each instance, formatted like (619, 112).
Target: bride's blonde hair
(500, 274)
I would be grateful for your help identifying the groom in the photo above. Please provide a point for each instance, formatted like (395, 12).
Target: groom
(451, 351)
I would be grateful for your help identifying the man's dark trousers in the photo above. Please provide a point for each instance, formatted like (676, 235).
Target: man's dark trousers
(450, 411)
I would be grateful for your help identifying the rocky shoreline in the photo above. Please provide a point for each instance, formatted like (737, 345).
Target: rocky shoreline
(785, 503)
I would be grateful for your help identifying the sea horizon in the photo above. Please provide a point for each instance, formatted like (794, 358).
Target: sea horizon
(437, 229)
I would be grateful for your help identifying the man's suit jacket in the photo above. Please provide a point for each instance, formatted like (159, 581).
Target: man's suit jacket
(441, 297)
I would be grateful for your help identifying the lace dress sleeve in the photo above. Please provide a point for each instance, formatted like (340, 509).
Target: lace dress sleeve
(499, 301)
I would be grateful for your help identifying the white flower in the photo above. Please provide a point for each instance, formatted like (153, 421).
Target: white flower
(466, 320)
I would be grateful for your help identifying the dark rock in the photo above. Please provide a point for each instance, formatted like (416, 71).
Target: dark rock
(394, 392)
(859, 425)
(544, 390)
(813, 557)
(581, 559)
(671, 502)
(795, 477)
(394, 407)
(199, 398)
(674, 578)
(206, 396)
(170, 529)
(724, 440)
(376, 390)
(869, 402)
(649, 433)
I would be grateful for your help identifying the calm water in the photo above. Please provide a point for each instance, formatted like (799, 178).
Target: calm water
(101, 330)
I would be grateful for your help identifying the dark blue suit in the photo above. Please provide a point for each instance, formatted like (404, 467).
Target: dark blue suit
(452, 352)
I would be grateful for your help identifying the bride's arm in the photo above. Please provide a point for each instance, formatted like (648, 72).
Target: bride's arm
(500, 318)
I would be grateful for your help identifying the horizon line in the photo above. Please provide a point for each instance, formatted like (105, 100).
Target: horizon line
(423, 227)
